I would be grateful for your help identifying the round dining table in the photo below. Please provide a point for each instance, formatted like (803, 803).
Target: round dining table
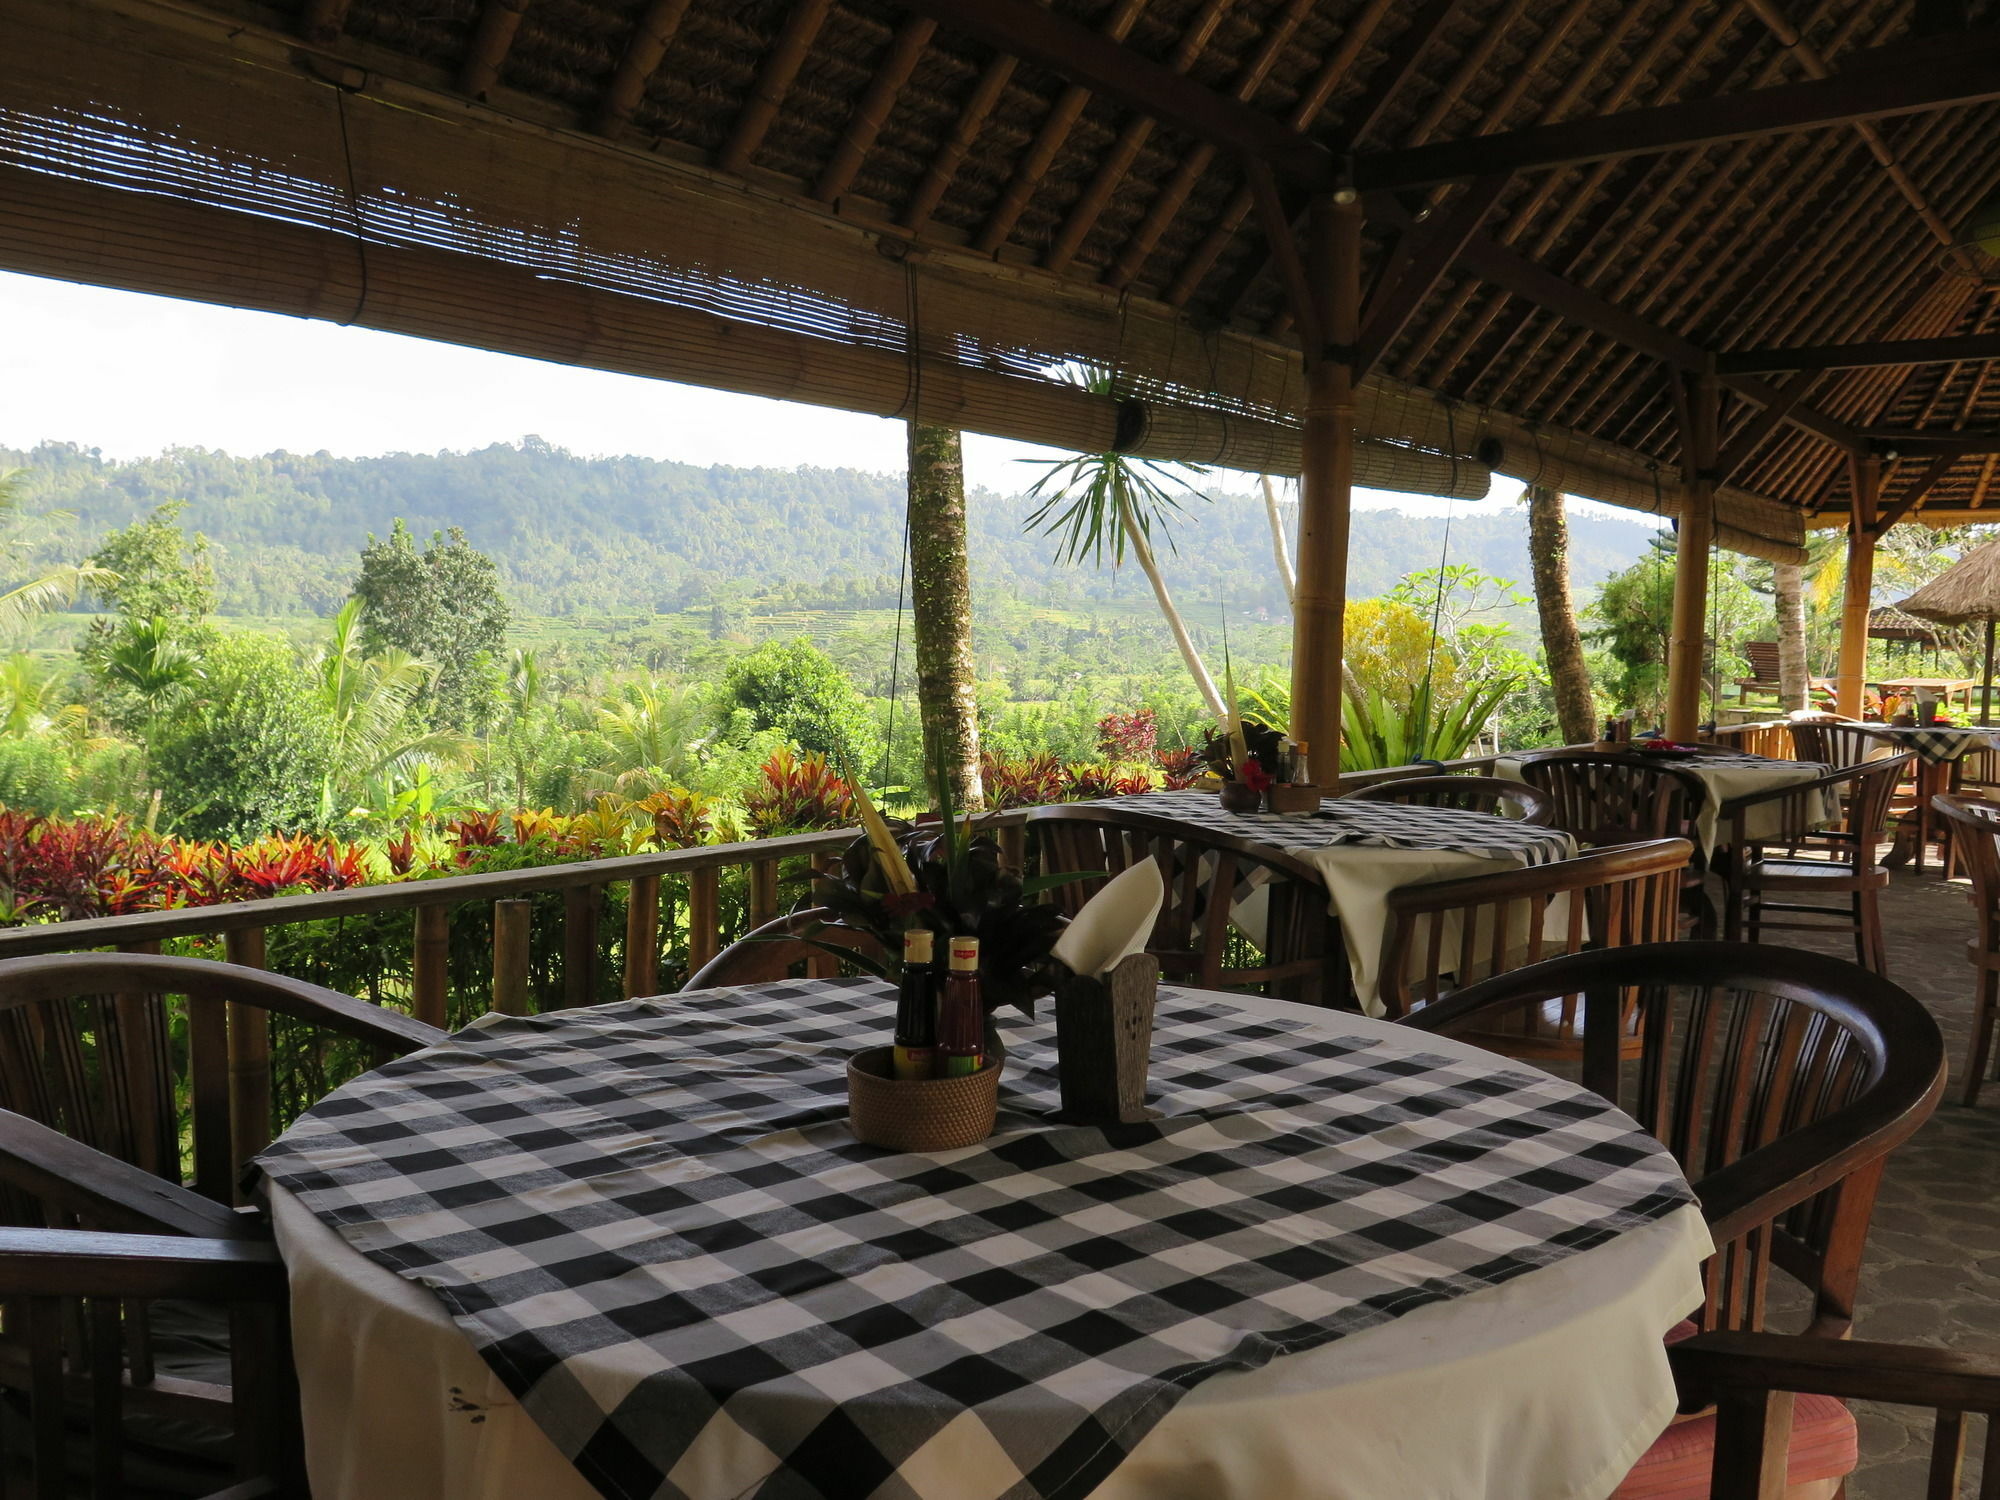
(1533, 1367)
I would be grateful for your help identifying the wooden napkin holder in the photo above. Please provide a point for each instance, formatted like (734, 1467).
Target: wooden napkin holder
(1104, 1041)
(1293, 797)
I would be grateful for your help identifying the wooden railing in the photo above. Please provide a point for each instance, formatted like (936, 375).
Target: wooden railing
(759, 875)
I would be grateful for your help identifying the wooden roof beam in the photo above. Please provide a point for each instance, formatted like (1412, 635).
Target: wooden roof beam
(1435, 247)
(1023, 29)
(322, 21)
(774, 81)
(1917, 444)
(492, 39)
(872, 113)
(1913, 497)
(1906, 78)
(1951, 349)
(643, 53)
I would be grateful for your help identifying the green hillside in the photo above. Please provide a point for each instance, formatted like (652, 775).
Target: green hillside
(605, 536)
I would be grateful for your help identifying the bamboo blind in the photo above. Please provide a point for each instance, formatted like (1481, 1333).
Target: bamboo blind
(218, 166)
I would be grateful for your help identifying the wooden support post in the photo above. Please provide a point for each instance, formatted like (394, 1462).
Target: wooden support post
(763, 891)
(429, 978)
(704, 917)
(1686, 649)
(1851, 681)
(512, 921)
(1326, 482)
(580, 903)
(642, 937)
(249, 1061)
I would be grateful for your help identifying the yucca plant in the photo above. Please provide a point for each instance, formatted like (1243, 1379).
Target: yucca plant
(1378, 730)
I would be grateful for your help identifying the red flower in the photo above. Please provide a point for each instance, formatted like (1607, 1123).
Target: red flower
(902, 903)
(1253, 775)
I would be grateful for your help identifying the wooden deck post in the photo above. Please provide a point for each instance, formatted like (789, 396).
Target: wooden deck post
(1326, 481)
(429, 976)
(642, 937)
(249, 1059)
(513, 920)
(1698, 410)
(1851, 681)
(580, 907)
(704, 916)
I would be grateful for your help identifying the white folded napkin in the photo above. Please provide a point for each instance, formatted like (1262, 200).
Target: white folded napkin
(1115, 923)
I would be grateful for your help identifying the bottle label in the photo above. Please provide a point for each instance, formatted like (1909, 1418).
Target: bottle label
(912, 1063)
(962, 1064)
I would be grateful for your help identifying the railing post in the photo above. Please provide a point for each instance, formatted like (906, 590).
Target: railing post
(763, 891)
(249, 1049)
(512, 922)
(642, 937)
(429, 974)
(704, 916)
(1013, 841)
(580, 944)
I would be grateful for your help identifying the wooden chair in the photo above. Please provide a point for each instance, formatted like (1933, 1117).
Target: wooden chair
(91, 1179)
(1620, 797)
(1767, 1387)
(1838, 743)
(1974, 776)
(1764, 676)
(779, 950)
(1780, 1080)
(1973, 826)
(1480, 794)
(1302, 959)
(1449, 934)
(1805, 886)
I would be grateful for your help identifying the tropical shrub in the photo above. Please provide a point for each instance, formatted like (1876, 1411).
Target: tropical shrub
(796, 689)
(799, 793)
(253, 747)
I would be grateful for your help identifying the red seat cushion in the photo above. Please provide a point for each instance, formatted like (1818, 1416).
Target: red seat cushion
(1677, 1466)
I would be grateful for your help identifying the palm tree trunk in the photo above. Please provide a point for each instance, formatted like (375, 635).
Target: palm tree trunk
(1569, 677)
(1136, 540)
(1287, 574)
(1788, 586)
(941, 610)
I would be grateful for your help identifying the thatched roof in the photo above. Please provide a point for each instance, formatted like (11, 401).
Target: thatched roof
(1888, 623)
(869, 176)
(1966, 593)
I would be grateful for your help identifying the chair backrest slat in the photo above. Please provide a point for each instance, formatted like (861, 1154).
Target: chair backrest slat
(1615, 797)
(1481, 794)
(1749, 1055)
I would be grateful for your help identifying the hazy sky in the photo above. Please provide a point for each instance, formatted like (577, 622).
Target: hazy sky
(133, 374)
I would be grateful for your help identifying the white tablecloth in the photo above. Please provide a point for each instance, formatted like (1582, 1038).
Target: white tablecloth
(1547, 1387)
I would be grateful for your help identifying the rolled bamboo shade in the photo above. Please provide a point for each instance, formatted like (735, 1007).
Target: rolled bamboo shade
(164, 153)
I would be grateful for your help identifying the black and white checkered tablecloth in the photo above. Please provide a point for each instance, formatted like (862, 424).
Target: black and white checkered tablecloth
(653, 1222)
(1938, 746)
(1372, 825)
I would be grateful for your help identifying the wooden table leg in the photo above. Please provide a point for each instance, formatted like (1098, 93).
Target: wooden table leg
(1914, 828)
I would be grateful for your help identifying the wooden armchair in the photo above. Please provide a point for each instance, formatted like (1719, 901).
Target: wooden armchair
(1838, 743)
(1204, 874)
(1614, 797)
(92, 1180)
(779, 949)
(1766, 1387)
(1480, 794)
(1780, 1080)
(1973, 826)
(1448, 934)
(1796, 889)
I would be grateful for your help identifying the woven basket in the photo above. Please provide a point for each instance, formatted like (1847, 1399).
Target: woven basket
(922, 1114)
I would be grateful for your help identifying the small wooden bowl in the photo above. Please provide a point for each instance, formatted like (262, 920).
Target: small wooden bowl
(921, 1114)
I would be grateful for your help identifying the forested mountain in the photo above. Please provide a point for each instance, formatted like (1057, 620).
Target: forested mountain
(590, 535)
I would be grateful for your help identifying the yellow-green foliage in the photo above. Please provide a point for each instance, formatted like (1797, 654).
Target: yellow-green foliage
(1388, 645)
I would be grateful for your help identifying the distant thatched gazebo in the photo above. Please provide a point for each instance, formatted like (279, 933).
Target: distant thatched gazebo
(1888, 623)
(1966, 593)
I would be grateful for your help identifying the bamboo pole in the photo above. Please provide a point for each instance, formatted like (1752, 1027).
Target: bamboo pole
(512, 921)
(1850, 683)
(642, 938)
(580, 904)
(1326, 484)
(1686, 646)
(249, 1059)
(428, 974)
